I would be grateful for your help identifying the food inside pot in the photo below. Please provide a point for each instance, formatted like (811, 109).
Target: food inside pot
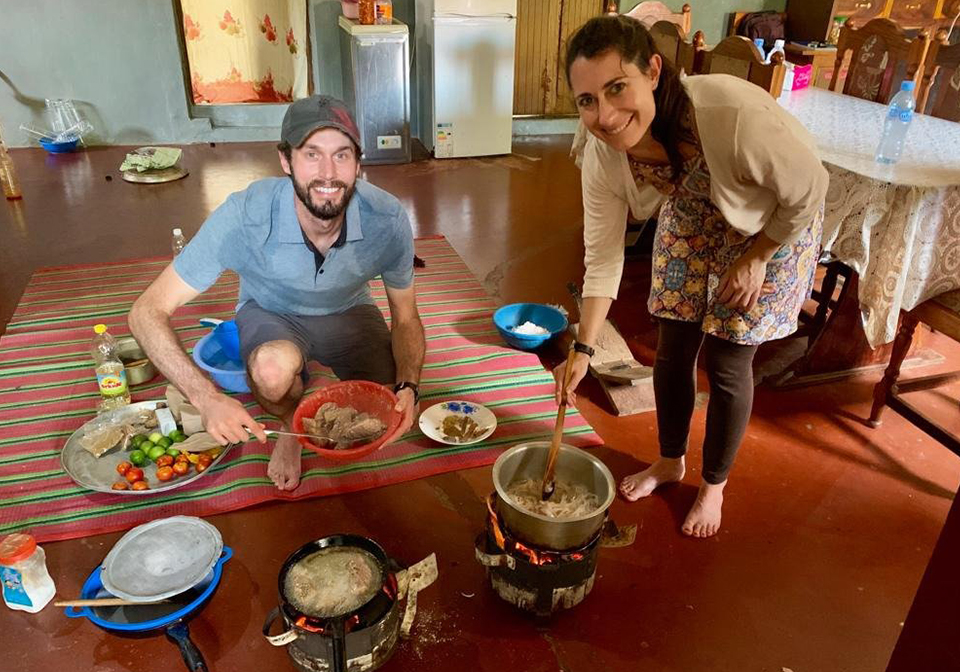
(569, 500)
(333, 581)
(343, 425)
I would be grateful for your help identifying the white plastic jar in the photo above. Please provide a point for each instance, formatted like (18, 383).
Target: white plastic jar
(27, 585)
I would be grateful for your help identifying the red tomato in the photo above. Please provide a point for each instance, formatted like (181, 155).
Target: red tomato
(165, 460)
(181, 467)
(123, 468)
(202, 467)
(205, 460)
(120, 485)
(165, 473)
(133, 475)
(141, 485)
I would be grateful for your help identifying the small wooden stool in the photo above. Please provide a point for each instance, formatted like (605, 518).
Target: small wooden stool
(941, 313)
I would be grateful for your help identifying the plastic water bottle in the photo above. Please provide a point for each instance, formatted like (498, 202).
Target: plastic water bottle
(759, 42)
(777, 46)
(111, 376)
(899, 116)
(179, 242)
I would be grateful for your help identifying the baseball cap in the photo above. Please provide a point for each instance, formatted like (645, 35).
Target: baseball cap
(307, 115)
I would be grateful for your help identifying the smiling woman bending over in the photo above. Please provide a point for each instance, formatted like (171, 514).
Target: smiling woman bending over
(740, 195)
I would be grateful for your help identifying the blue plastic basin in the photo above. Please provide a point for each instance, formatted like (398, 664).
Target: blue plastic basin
(516, 314)
(227, 372)
(59, 147)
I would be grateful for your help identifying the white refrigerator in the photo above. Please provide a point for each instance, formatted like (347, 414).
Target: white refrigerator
(465, 56)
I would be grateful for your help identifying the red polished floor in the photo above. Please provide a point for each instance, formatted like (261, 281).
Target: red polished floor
(828, 525)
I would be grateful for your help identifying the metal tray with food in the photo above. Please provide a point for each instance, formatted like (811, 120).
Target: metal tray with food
(124, 452)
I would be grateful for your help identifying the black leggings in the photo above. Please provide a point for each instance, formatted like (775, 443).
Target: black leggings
(730, 372)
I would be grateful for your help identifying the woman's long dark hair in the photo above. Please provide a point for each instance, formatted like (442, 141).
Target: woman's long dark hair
(629, 38)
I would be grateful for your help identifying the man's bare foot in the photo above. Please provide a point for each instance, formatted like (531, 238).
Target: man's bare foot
(704, 517)
(284, 467)
(664, 470)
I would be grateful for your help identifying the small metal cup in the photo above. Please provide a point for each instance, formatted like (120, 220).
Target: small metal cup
(142, 369)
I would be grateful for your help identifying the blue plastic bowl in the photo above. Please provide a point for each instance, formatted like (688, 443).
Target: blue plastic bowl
(59, 147)
(228, 373)
(516, 314)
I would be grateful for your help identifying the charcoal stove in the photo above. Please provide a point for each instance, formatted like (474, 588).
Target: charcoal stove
(361, 640)
(539, 580)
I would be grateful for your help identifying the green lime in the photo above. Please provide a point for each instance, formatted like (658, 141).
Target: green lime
(137, 439)
(155, 437)
(165, 441)
(178, 436)
(173, 452)
(145, 446)
(138, 458)
(156, 452)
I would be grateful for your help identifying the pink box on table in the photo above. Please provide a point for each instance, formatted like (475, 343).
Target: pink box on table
(802, 75)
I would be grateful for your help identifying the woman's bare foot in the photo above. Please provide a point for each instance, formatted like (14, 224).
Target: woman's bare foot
(664, 470)
(284, 467)
(704, 517)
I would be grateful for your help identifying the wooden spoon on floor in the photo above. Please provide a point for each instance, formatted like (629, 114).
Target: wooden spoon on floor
(104, 602)
(549, 483)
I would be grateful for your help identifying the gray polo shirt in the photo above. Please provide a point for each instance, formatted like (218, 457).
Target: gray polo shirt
(256, 233)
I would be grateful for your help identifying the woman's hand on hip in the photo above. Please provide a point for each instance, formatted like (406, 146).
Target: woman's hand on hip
(743, 284)
(580, 364)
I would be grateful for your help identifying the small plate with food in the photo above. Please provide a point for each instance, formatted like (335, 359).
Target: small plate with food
(458, 423)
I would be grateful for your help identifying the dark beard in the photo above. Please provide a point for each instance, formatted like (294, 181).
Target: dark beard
(328, 210)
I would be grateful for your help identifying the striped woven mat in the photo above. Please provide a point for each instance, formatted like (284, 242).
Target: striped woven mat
(48, 390)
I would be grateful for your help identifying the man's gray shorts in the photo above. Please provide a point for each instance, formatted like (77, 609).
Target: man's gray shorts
(355, 343)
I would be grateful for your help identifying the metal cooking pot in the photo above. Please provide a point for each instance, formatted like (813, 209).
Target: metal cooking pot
(142, 369)
(528, 460)
(360, 640)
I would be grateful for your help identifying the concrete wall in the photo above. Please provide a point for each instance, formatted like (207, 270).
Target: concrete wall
(713, 16)
(120, 61)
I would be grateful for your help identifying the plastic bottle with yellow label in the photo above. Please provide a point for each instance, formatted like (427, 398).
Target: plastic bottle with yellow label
(111, 376)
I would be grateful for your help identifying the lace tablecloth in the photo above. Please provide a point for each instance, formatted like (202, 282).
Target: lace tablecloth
(897, 226)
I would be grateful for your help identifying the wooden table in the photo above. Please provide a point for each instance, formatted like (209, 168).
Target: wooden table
(897, 227)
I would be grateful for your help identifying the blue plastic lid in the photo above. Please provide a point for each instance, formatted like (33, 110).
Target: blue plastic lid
(908, 85)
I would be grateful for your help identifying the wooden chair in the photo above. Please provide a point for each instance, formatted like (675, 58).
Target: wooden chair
(941, 313)
(881, 56)
(740, 57)
(940, 92)
(671, 43)
(649, 13)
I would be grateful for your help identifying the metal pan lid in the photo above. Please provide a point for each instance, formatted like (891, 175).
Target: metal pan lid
(161, 558)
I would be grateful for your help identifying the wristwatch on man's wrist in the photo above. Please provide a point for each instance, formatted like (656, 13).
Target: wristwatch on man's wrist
(405, 385)
(584, 348)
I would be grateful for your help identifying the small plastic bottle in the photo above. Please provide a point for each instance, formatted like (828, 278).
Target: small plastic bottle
(179, 242)
(899, 115)
(384, 11)
(8, 173)
(27, 585)
(111, 376)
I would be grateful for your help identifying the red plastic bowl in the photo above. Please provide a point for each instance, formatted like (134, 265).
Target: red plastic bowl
(363, 395)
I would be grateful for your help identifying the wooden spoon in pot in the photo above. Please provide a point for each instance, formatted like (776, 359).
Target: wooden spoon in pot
(549, 484)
